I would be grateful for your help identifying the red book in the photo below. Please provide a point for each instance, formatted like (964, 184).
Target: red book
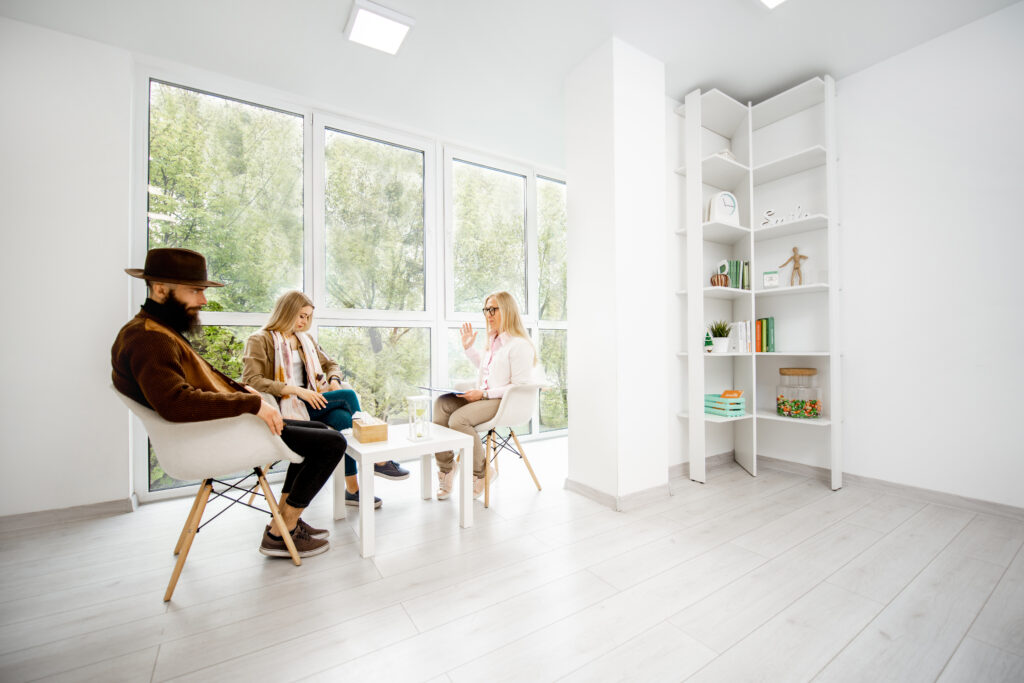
(757, 336)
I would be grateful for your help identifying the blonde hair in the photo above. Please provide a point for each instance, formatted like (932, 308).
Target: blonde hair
(511, 322)
(286, 309)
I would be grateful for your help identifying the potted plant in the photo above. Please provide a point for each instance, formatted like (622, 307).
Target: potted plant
(719, 336)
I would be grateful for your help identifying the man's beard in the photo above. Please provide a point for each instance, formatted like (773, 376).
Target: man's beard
(180, 318)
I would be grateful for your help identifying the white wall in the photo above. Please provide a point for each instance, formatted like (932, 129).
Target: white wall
(590, 208)
(931, 171)
(64, 189)
(615, 156)
(641, 281)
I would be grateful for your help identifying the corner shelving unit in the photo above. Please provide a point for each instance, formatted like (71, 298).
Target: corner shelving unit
(779, 156)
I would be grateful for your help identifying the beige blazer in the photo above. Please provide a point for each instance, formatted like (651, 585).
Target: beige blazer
(258, 365)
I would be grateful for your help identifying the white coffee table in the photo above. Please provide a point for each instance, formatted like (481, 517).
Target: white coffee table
(398, 447)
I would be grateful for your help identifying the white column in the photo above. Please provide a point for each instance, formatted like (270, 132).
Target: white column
(615, 161)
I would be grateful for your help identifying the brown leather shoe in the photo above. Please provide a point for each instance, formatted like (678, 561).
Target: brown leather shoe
(304, 544)
(313, 531)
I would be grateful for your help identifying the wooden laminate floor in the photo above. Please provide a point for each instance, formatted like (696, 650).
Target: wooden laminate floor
(772, 578)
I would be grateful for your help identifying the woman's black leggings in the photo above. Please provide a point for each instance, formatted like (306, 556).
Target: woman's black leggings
(322, 447)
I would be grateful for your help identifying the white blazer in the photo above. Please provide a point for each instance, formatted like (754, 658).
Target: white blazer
(511, 364)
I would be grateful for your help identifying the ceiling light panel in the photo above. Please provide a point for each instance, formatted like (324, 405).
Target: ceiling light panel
(376, 26)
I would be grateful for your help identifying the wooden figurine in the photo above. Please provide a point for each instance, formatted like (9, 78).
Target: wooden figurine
(796, 258)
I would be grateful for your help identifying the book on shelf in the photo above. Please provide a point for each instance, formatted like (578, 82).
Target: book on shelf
(765, 335)
(738, 272)
(739, 337)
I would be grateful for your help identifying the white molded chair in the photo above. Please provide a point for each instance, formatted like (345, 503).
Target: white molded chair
(516, 408)
(206, 451)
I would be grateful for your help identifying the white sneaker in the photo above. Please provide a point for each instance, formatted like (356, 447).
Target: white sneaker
(478, 483)
(444, 483)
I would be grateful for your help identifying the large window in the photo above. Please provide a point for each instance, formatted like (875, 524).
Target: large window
(553, 244)
(225, 179)
(374, 220)
(488, 235)
(552, 247)
(396, 238)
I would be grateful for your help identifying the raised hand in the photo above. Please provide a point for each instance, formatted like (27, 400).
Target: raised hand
(468, 335)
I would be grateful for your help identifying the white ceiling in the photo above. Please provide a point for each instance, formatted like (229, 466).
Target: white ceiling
(489, 73)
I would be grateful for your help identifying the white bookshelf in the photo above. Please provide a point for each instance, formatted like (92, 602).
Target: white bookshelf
(781, 157)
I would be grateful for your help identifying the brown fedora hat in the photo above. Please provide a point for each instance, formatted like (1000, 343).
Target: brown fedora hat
(175, 266)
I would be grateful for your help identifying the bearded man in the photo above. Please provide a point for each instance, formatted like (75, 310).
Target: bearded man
(154, 364)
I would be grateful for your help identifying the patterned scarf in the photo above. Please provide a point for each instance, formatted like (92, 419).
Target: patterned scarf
(292, 407)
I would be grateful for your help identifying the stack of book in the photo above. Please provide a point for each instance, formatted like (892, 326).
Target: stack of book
(764, 335)
(738, 272)
(740, 338)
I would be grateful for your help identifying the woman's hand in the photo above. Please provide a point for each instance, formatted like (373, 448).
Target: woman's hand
(313, 398)
(468, 335)
(473, 395)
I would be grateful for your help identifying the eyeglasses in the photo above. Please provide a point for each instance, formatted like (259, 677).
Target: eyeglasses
(490, 311)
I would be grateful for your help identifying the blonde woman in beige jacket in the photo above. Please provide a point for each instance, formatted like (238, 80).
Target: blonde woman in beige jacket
(283, 360)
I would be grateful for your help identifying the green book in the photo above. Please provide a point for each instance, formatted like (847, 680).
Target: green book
(736, 271)
(746, 275)
(771, 334)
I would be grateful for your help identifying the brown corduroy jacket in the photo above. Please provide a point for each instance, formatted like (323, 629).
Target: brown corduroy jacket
(157, 367)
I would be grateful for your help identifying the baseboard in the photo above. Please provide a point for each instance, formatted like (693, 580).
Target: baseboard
(682, 470)
(31, 520)
(606, 499)
(625, 503)
(904, 490)
(632, 501)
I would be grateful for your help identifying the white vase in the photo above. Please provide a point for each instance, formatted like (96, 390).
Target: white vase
(719, 345)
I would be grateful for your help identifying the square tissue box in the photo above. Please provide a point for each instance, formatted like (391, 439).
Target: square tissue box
(369, 429)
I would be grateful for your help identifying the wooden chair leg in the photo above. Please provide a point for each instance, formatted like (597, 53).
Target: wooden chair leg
(276, 514)
(188, 520)
(525, 459)
(191, 529)
(253, 496)
(487, 470)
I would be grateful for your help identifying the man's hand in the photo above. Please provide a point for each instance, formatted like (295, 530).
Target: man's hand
(473, 395)
(272, 416)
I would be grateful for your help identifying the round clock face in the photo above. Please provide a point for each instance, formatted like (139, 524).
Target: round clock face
(724, 208)
(726, 204)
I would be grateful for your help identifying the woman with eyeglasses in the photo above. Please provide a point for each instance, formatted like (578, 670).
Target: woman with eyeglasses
(509, 358)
